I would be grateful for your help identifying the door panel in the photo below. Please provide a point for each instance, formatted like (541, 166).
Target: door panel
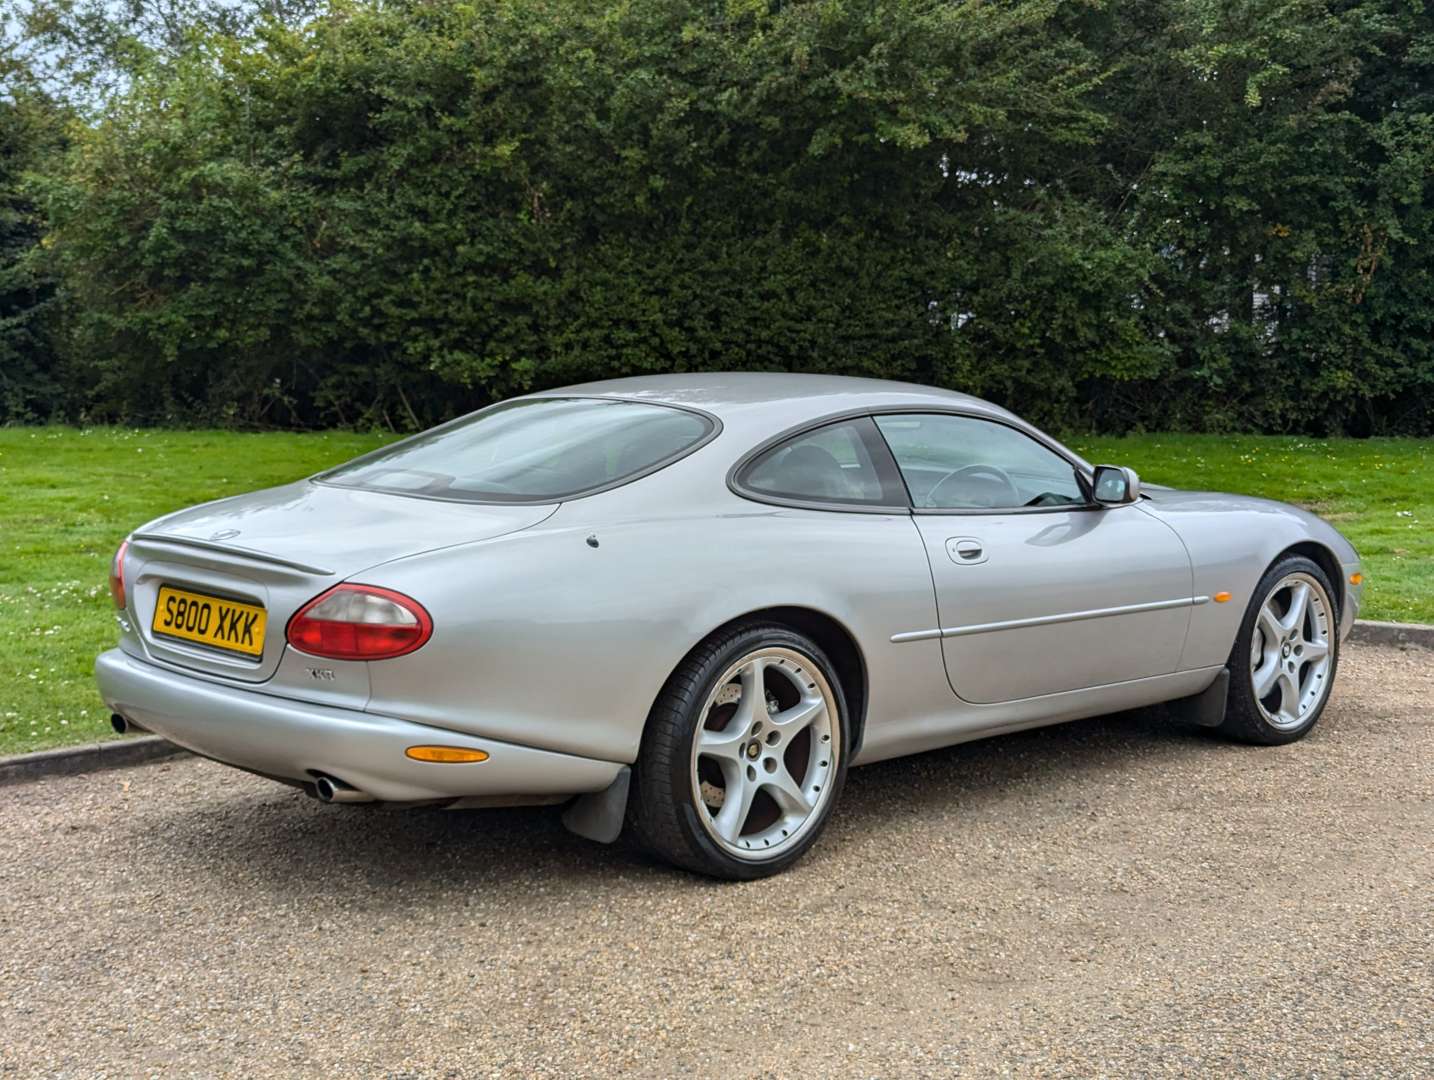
(1068, 580)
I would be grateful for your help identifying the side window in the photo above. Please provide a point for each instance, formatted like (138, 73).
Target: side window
(964, 463)
(839, 463)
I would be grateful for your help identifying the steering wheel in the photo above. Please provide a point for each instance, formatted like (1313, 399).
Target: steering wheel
(987, 474)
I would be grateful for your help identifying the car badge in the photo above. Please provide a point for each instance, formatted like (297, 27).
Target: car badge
(225, 534)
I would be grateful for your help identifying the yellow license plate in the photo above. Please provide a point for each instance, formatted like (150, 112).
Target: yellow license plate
(221, 624)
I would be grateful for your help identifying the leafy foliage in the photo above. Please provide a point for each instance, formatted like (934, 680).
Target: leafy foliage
(1108, 214)
(30, 385)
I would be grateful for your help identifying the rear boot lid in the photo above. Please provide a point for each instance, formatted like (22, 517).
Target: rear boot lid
(274, 550)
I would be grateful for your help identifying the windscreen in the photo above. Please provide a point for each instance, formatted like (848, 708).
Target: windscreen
(536, 450)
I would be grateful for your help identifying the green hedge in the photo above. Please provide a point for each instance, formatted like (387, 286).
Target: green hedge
(1200, 214)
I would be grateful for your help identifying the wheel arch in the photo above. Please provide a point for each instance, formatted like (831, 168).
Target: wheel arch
(1326, 560)
(834, 638)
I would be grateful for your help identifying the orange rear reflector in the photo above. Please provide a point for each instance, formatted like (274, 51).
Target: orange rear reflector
(446, 754)
(1221, 597)
(1356, 579)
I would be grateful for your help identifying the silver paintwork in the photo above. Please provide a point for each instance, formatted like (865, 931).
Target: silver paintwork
(1069, 612)
(1051, 565)
(1232, 540)
(296, 741)
(1129, 481)
(1046, 620)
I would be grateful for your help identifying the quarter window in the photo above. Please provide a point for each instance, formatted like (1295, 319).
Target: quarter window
(840, 463)
(964, 463)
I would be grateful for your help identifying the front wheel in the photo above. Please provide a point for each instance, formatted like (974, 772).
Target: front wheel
(1284, 660)
(744, 755)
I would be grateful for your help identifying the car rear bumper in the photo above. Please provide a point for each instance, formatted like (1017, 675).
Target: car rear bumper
(296, 740)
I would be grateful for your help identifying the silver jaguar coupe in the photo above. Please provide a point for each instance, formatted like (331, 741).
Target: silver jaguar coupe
(687, 604)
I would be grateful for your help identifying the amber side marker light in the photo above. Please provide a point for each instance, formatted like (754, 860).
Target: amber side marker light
(446, 754)
(1356, 579)
(1221, 597)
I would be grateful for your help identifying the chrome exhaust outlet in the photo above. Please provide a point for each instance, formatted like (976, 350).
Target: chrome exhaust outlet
(123, 726)
(327, 789)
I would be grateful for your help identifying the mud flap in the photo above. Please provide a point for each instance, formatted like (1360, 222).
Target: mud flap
(1207, 708)
(599, 814)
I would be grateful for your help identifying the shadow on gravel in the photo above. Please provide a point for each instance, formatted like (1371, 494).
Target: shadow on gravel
(987, 772)
(372, 858)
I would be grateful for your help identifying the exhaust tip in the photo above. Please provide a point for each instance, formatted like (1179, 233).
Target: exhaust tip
(329, 790)
(124, 726)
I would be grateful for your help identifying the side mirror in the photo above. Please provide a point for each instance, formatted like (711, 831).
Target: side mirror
(1115, 485)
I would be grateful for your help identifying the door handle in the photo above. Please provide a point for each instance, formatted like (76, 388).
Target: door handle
(965, 550)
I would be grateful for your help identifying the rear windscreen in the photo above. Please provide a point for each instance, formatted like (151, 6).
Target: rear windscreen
(536, 450)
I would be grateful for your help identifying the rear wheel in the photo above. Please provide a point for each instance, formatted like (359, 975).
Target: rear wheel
(744, 755)
(1284, 660)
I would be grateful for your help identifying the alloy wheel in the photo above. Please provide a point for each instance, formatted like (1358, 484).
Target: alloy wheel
(765, 753)
(1291, 651)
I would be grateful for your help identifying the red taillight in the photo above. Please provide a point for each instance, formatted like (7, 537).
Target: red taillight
(117, 575)
(360, 622)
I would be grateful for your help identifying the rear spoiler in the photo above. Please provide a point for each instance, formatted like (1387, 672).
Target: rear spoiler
(230, 549)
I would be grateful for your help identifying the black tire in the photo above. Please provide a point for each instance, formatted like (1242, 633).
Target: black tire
(1244, 718)
(663, 813)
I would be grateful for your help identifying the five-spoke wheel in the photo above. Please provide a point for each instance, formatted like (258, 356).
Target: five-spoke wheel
(1290, 650)
(764, 753)
(1283, 664)
(744, 754)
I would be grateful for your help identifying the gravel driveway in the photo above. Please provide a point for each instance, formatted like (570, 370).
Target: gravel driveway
(1111, 896)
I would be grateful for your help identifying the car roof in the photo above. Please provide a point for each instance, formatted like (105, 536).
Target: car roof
(733, 395)
(755, 405)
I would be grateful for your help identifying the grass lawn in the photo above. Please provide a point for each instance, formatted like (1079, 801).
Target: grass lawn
(67, 498)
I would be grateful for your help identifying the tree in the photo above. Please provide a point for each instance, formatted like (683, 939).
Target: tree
(31, 384)
(1207, 214)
